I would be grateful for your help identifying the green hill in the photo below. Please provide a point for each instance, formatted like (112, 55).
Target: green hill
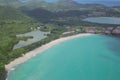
(12, 22)
(9, 13)
(14, 3)
(60, 5)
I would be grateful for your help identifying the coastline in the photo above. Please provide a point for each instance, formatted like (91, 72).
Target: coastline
(39, 50)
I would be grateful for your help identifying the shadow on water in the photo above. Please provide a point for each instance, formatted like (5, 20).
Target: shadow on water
(109, 58)
(114, 45)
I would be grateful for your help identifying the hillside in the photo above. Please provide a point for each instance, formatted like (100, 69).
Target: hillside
(9, 13)
(12, 22)
(15, 3)
(40, 14)
(65, 14)
(60, 5)
(45, 12)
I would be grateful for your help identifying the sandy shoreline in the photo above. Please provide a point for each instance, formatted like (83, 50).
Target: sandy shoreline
(38, 50)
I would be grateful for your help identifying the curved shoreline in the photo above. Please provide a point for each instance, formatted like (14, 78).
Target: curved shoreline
(38, 50)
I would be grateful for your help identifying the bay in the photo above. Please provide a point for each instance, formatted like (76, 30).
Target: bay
(95, 57)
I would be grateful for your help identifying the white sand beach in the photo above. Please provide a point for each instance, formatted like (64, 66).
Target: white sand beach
(38, 50)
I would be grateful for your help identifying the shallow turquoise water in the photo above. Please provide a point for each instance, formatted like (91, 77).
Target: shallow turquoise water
(93, 57)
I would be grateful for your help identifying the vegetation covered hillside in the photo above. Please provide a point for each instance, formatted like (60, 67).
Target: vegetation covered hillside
(12, 22)
(65, 11)
(14, 3)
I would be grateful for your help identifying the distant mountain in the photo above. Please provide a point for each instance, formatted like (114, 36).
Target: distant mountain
(10, 13)
(9, 2)
(43, 3)
(58, 5)
(40, 14)
(103, 2)
(61, 5)
(47, 11)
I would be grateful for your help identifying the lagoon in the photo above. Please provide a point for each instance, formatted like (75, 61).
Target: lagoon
(103, 20)
(95, 57)
(37, 36)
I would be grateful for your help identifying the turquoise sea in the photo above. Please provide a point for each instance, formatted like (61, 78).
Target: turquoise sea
(93, 57)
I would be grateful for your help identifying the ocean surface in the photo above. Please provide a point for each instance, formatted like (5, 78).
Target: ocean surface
(103, 20)
(93, 57)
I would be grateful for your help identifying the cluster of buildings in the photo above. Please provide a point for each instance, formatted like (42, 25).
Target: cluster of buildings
(96, 30)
